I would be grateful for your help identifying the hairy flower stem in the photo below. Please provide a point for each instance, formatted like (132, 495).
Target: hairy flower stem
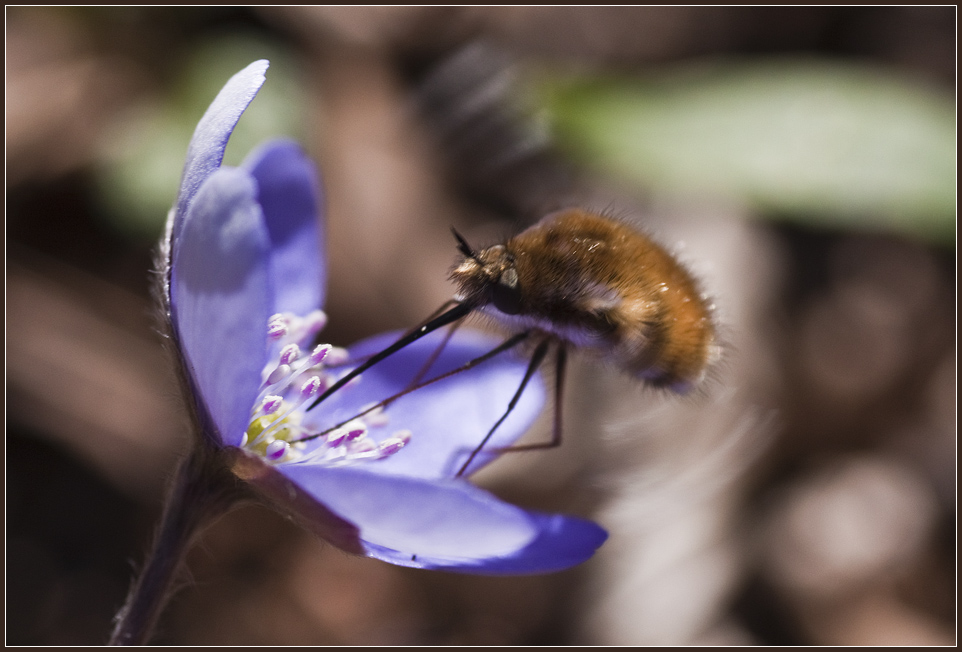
(203, 490)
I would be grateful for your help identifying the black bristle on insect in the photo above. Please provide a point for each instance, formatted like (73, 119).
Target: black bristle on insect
(463, 245)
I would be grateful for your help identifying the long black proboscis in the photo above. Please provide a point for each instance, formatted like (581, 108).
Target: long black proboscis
(452, 315)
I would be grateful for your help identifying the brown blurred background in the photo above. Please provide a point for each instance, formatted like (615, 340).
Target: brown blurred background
(808, 496)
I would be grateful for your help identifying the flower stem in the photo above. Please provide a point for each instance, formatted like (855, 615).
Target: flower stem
(203, 490)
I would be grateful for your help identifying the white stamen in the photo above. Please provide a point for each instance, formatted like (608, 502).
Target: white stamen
(316, 321)
(280, 372)
(277, 327)
(297, 378)
(337, 356)
(392, 445)
(271, 404)
(310, 389)
(355, 429)
(336, 437)
(276, 450)
(320, 352)
(362, 446)
(290, 353)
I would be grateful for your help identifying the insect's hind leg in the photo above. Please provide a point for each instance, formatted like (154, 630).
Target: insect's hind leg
(536, 359)
(561, 360)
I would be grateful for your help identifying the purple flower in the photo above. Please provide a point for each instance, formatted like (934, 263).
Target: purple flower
(246, 281)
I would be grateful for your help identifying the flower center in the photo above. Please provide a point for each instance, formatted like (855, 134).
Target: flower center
(292, 380)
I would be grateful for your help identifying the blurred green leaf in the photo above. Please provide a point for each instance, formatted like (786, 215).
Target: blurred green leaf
(145, 153)
(841, 145)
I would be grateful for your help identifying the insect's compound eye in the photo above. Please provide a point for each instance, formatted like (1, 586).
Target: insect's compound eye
(505, 294)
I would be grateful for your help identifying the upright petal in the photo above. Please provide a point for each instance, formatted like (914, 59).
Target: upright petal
(221, 300)
(290, 195)
(207, 145)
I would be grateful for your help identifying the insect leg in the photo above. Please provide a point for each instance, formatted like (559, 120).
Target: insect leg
(509, 343)
(415, 382)
(536, 359)
(561, 359)
(560, 369)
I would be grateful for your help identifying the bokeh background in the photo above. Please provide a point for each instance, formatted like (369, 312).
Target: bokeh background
(801, 160)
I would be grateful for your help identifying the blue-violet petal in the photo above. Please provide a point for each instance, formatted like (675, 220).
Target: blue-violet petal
(417, 517)
(290, 196)
(221, 299)
(206, 149)
(562, 542)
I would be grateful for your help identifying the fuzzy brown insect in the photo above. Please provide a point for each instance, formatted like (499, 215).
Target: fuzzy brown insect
(596, 284)
(578, 279)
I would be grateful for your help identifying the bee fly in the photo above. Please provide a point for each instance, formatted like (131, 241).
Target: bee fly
(578, 279)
